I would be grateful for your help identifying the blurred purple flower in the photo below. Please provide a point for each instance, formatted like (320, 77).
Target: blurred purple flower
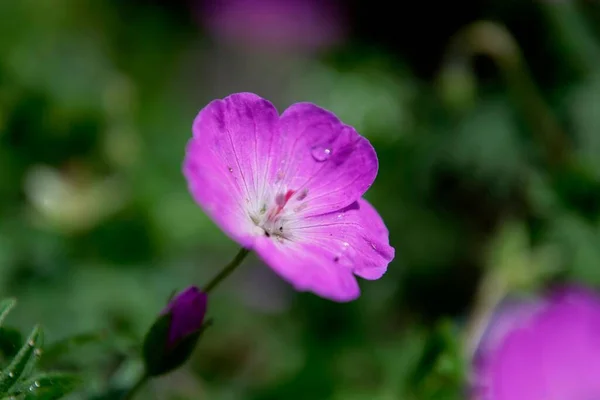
(546, 350)
(308, 24)
(289, 187)
(187, 310)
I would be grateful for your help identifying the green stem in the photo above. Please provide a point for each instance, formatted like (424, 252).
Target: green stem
(136, 387)
(229, 268)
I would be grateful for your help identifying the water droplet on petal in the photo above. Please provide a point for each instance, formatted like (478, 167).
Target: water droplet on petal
(320, 153)
(230, 169)
(345, 254)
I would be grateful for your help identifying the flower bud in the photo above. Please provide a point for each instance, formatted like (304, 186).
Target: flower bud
(173, 336)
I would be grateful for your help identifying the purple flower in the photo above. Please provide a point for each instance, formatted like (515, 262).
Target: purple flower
(546, 350)
(187, 311)
(289, 187)
(308, 24)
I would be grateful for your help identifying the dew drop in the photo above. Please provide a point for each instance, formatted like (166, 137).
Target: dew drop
(373, 246)
(230, 169)
(344, 253)
(320, 153)
(36, 383)
(37, 352)
(11, 374)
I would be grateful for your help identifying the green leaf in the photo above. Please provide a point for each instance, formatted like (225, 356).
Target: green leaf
(11, 340)
(5, 306)
(486, 146)
(62, 347)
(24, 360)
(48, 386)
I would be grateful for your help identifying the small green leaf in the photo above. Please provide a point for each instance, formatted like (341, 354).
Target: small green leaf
(5, 306)
(48, 386)
(24, 360)
(154, 344)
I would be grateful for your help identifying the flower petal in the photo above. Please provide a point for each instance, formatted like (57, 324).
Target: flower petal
(550, 349)
(324, 251)
(227, 159)
(308, 268)
(320, 157)
(187, 311)
(355, 238)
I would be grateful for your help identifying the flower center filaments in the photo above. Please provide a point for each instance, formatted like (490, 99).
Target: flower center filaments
(272, 220)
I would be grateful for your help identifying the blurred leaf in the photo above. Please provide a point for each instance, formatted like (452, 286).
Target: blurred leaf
(582, 105)
(486, 146)
(48, 386)
(111, 394)
(578, 187)
(24, 360)
(58, 349)
(441, 361)
(578, 242)
(515, 262)
(5, 307)
(11, 340)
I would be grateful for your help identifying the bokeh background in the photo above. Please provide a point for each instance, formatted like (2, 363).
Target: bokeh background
(486, 119)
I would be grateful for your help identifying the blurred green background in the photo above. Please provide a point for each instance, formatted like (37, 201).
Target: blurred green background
(486, 119)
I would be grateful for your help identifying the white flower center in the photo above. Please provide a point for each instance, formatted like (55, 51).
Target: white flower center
(273, 220)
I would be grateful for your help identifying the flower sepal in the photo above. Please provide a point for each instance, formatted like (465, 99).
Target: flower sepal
(160, 359)
(172, 338)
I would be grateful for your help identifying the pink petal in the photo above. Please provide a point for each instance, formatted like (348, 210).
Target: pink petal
(327, 249)
(308, 267)
(552, 353)
(321, 157)
(232, 141)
